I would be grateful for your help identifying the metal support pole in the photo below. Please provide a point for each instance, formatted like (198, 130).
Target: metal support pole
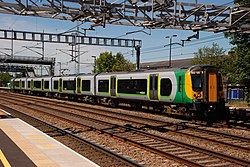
(43, 51)
(52, 67)
(138, 52)
(78, 49)
(170, 52)
(12, 44)
(94, 63)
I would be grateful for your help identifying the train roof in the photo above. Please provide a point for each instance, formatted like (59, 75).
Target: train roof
(145, 71)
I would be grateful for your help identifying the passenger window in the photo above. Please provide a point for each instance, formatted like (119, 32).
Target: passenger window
(132, 86)
(103, 86)
(37, 84)
(55, 84)
(166, 87)
(46, 84)
(69, 85)
(180, 84)
(86, 85)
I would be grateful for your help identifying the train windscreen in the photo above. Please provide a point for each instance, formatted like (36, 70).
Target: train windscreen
(197, 82)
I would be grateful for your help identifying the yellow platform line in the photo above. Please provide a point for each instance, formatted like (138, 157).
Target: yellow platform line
(4, 160)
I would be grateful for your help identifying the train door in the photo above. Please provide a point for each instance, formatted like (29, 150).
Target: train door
(20, 84)
(113, 86)
(42, 84)
(31, 84)
(78, 85)
(60, 85)
(153, 87)
(212, 87)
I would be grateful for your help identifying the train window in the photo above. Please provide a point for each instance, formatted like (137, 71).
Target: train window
(16, 83)
(196, 82)
(28, 84)
(180, 84)
(166, 87)
(23, 84)
(86, 85)
(103, 86)
(46, 84)
(37, 84)
(69, 85)
(132, 86)
(55, 84)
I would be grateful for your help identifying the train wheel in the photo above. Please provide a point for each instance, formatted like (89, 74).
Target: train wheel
(94, 100)
(112, 103)
(136, 106)
(158, 107)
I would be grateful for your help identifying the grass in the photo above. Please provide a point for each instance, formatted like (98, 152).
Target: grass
(240, 104)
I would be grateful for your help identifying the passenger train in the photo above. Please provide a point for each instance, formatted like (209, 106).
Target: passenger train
(194, 91)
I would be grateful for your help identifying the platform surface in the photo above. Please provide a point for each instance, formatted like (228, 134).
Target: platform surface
(24, 145)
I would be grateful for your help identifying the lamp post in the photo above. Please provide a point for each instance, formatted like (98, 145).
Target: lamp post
(170, 47)
(94, 57)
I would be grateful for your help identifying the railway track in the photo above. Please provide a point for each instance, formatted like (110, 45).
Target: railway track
(181, 152)
(92, 151)
(235, 142)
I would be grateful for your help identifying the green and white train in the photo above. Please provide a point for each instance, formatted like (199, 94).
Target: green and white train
(194, 91)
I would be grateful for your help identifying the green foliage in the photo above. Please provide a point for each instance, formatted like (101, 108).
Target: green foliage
(241, 63)
(242, 2)
(5, 78)
(111, 63)
(105, 62)
(121, 64)
(212, 56)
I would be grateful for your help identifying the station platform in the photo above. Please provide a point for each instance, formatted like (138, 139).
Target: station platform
(4, 89)
(22, 145)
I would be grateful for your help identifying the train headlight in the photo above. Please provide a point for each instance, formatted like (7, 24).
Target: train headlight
(199, 94)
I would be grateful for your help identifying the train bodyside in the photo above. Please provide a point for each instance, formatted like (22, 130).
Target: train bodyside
(19, 84)
(151, 88)
(197, 90)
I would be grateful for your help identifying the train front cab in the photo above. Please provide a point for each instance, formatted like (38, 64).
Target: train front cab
(206, 92)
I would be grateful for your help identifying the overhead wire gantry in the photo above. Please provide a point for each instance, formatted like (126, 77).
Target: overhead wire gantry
(143, 13)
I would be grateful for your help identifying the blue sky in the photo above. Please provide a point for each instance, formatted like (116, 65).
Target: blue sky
(152, 48)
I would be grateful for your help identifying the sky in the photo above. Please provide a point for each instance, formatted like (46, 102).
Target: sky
(152, 41)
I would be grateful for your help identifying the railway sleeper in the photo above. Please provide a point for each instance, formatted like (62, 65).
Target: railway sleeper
(198, 157)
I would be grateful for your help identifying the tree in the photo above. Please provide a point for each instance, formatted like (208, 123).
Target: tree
(4, 78)
(241, 63)
(121, 64)
(242, 2)
(105, 62)
(111, 63)
(213, 56)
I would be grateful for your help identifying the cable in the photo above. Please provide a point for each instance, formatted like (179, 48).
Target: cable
(176, 47)
(176, 55)
(201, 39)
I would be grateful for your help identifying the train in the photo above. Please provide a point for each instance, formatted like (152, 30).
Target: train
(194, 91)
